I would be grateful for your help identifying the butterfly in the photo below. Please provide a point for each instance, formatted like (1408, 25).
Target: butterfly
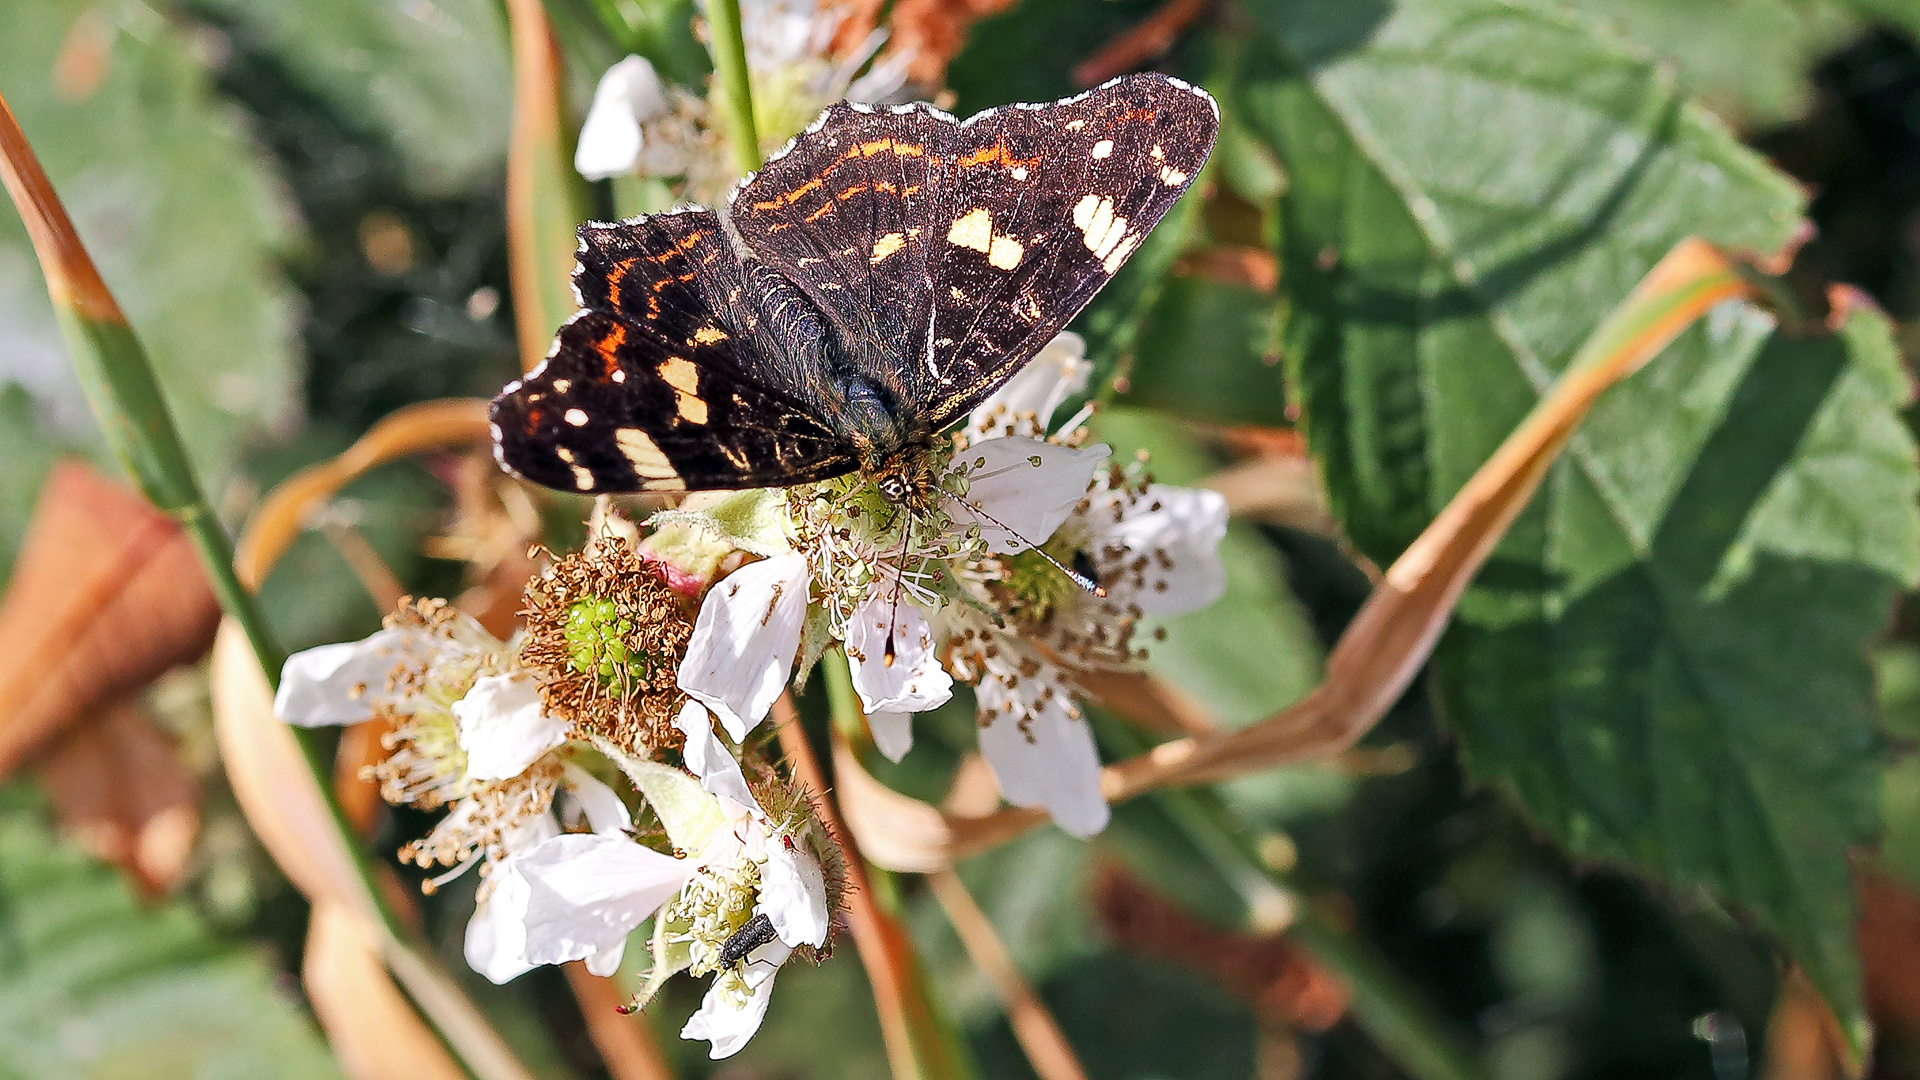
(869, 287)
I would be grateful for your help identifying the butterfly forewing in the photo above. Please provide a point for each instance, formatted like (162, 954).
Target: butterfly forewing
(960, 249)
(667, 379)
(844, 213)
(1047, 204)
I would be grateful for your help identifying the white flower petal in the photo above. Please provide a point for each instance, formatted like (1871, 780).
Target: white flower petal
(1036, 390)
(914, 681)
(604, 811)
(611, 139)
(744, 641)
(496, 941)
(729, 1027)
(709, 758)
(588, 892)
(340, 684)
(503, 728)
(892, 733)
(1019, 490)
(1187, 529)
(793, 896)
(607, 961)
(1041, 754)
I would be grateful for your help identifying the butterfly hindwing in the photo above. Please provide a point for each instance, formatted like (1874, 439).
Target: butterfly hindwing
(672, 377)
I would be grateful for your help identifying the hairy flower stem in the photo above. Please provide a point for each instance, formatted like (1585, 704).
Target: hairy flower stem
(729, 47)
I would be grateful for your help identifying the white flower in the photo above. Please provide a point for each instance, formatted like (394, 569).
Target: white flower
(584, 895)
(892, 690)
(745, 639)
(629, 96)
(502, 727)
(1025, 404)
(639, 125)
(1034, 737)
(1019, 490)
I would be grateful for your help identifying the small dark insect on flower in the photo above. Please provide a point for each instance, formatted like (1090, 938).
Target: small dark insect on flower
(756, 932)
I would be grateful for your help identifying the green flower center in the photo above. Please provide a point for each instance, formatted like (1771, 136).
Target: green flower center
(597, 636)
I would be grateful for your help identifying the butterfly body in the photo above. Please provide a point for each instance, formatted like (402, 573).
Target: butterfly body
(865, 290)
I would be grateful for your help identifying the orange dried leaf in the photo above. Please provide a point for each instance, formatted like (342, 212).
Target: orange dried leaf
(106, 595)
(121, 793)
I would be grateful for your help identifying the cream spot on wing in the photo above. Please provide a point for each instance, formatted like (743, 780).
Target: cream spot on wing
(1005, 253)
(887, 245)
(563, 454)
(1171, 176)
(707, 335)
(645, 457)
(1102, 148)
(957, 295)
(1076, 125)
(1100, 230)
(680, 374)
(1157, 153)
(973, 229)
(1119, 254)
(561, 386)
(692, 409)
(583, 478)
(619, 375)
(1019, 172)
(576, 417)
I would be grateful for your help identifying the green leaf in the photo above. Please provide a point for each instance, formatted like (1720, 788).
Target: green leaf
(1663, 661)
(1210, 350)
(431, 77)
(97, 985)
(1749, 60)
(177, 209)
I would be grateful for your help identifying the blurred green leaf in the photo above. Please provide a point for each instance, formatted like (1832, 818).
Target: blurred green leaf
(181, 215)
(1748, 60)
(1663, 660)
(430, 75)
(97, 985)
(1210, 350)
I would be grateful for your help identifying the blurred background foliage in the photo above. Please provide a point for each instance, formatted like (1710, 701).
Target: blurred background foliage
(301, 207)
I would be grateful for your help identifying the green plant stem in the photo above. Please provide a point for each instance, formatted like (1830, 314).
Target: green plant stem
(120, 385)
(729, 48)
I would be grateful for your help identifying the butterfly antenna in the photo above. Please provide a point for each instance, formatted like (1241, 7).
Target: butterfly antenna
(1077, 577)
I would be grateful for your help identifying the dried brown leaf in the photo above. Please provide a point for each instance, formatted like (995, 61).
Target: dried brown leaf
(106, 595)
(121, 793)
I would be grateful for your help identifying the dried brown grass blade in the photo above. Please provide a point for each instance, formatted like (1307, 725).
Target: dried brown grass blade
(430, 425)
(107, 593)
(626, 1043)
(120, 792)
(374, 1033)
(1145, 41)
(273, 785)
(1033, 1025)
